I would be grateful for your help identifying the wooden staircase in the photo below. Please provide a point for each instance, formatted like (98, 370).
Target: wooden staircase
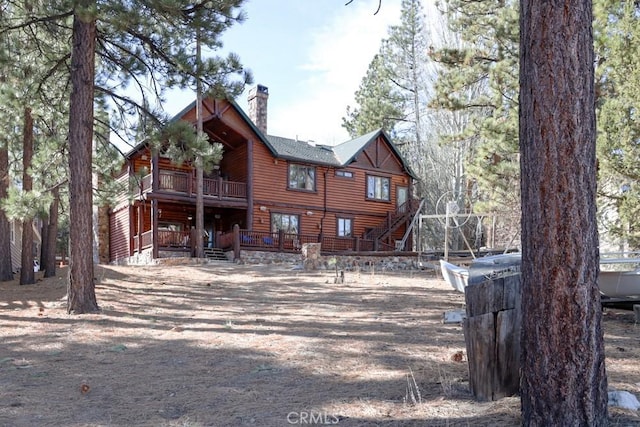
(402, 215)
(215, 254)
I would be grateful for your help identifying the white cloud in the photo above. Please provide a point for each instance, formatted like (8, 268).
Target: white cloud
(337, 59)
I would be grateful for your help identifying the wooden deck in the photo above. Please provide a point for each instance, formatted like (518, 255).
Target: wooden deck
(185, 183)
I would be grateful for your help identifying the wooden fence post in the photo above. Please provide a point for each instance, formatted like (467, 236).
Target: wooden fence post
(280, 240)
(492, 337)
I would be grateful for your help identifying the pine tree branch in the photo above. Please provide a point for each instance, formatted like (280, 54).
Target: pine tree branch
(106, 54)
(154, 48)
(130, 102)
(400, 85)
(36, 20)
(377, 10)
(59, 63)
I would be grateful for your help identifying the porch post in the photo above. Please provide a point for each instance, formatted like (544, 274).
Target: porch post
(249, 185)
(132, 226)
(140, 225)
(154, 228)
(281, 240)
(155, 171)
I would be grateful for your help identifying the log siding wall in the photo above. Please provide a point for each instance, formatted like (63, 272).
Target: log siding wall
(345, 196)
(119, 234)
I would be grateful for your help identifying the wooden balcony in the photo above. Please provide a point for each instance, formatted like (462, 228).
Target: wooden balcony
(185, 183)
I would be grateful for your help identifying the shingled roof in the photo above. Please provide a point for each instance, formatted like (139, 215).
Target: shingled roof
(302, 151)
(293, 149)
(338, 156)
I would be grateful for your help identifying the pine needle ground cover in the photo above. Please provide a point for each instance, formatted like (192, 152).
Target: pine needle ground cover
(235, 345)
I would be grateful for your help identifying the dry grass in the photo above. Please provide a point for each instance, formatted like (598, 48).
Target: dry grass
(229, 345)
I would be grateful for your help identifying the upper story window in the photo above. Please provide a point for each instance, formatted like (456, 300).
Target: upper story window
(378, 188)
(302, 177)
(285, 222)
(344, 173)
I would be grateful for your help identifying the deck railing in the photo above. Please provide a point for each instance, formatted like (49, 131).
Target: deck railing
(147, 240)
(183, 182)
(259, 240)
(292, 242)
(174, 239)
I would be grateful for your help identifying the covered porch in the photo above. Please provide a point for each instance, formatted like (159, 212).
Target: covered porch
(168, 228)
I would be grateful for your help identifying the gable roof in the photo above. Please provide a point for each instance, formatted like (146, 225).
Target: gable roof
(347, 151)
(192, 106)
(338, 156)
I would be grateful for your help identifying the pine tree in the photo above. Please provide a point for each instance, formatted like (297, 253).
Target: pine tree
(6, 267)
(563, 378)
(393, 94)
(617, 31)
(379, 103)
(405, 52)
(480, 77)
(27, 276)
(134, 42)
(23, 90)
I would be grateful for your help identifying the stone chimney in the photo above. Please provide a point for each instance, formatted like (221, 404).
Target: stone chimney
(257, 98)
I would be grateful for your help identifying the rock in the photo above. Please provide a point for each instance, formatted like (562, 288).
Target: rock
(623, 399)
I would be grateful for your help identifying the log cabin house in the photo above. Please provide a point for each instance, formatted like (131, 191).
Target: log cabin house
(276, 193)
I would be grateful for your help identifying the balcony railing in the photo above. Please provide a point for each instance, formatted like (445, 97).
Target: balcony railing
(184, 183)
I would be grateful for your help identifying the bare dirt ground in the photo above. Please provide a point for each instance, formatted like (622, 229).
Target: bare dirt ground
(234, 345)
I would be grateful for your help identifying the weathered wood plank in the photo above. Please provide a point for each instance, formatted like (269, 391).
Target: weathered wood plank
(492, 336)
(508, 353)
(512, 293)
(479, 333)
(486, 297)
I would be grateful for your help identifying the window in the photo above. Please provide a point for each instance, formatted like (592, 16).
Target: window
(344, 174)
(302, 177)
(378, 188)
(345, 225)
(285, 222)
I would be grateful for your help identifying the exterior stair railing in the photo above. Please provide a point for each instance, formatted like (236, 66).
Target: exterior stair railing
(394, 220)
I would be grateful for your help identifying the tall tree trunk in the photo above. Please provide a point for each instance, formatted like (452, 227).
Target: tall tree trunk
(563, 365)
(27, 276)
(81, 297)
(199, 172)
(6, 267)
(49, 263)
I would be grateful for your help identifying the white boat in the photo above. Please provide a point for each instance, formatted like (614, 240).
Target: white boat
(456, 276)
(620, 284)
(623, 284)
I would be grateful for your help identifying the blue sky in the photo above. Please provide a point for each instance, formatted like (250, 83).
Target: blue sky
(312, 55)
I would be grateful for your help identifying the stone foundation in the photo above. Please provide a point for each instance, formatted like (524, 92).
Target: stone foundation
(364, 263)
(332, 262)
